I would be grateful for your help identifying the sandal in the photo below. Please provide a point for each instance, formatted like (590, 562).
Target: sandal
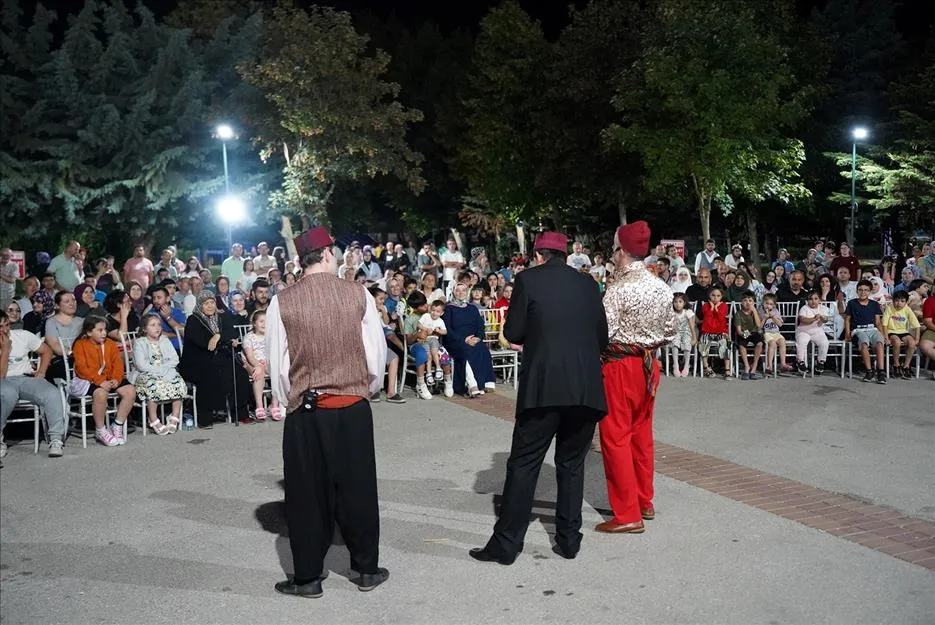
(474, 392)
(260, 414)
(173, 424)
(275, 413)
(158, 427)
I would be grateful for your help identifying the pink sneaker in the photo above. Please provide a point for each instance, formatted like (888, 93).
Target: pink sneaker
(685, 372)
(117, 432)
(106, 438)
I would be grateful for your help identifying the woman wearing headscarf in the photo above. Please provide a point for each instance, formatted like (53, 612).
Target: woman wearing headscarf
(738, 287)
(682, 280)
(204, 362)
(473, 366)
(879, 294)
(87, 305)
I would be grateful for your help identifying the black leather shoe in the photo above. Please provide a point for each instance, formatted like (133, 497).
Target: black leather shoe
(568, 554)
(482, 555)
(368, 581)
(311, 590)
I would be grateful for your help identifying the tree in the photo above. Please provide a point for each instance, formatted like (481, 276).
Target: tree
(899, 174)
(330, 114)
(496, 154)
(712, 93)
(117, 133)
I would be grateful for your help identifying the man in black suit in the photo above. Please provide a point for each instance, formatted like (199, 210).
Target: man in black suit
(557, 316)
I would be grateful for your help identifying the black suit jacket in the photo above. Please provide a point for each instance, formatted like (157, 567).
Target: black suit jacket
(556, 314)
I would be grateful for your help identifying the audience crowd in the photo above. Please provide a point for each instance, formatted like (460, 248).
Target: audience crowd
(72, 325)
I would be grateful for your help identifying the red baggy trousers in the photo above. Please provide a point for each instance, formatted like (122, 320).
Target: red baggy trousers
(627, 438)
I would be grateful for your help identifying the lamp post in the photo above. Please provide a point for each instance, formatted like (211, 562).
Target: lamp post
(225, 133)
(231, 210)
(859, 134)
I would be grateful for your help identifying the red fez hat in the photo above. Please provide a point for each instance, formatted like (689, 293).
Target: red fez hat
(634, 238)
(314, 239)
(552, 241)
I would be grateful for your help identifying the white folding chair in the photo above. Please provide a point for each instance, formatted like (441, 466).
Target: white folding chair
(22, 406)
(242, 331)
(80, 407)
(834, 343)
(505, 360)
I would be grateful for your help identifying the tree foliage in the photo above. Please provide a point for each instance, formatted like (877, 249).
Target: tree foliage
(709, 103)
(112, 126)
(332, 117)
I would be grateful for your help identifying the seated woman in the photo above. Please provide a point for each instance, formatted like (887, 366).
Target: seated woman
(88, 306)
(204, 362)
(121, 317)
(99, 372)
(232, 346)
(158, 381)
(473, 366)
(64, 325)
(222, 291)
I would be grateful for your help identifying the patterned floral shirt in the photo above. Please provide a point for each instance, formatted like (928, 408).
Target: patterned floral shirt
(639, 308)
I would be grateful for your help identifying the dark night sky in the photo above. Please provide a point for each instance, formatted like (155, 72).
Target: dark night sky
(915, 17)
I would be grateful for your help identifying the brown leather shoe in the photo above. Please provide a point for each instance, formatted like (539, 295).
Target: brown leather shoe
(648, 514)
(609, 527)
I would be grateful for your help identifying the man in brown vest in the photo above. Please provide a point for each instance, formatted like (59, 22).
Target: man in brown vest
(327, 354)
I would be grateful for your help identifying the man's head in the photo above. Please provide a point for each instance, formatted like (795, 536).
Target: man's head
(162, 274)
(662, 265)
(660, 251)
(631, 242)
(709, 245)
(577, 247)
(844, 275)
(845, 249)
(262, 248)
(783, 254)
(197, 285)
(166, 257)
(549, 245)
(315, 248)
(72, 249)
(260, 291)
(796, 280)
(451, 245)
(31, 285)
(236, 250)
(160, 297)
(275, 276)
(139, 252)
(737, 251)
(703, 277)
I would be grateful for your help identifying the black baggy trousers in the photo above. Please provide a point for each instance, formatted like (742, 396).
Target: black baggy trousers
(331, 476)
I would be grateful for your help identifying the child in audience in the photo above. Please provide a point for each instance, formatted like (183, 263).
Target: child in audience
(749, 331)
(257, 365)
(99, 372)
(772, 328)
(863, 321)
(685, 337)
(902, 329)
(918, 291)
(157, 379)
(812, 318)
(247, 278)
(715, 332)
(432, 321)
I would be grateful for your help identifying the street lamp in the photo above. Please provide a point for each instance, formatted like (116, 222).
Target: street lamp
(231, 210)
(225, 133)
(859, 134)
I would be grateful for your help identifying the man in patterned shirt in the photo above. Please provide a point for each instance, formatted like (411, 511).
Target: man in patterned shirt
(640, 319)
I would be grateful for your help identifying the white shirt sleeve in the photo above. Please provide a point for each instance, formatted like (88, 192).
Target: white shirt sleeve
(374, 343)
(277, 353)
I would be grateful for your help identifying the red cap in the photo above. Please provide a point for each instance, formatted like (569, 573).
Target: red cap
(634, 238)
(552, 241)
(314, 239)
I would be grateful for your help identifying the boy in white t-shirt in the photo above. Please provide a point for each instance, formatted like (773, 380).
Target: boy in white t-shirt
(432, 321)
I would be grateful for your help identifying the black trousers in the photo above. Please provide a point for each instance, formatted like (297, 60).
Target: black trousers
(573, 429)
(331, 476)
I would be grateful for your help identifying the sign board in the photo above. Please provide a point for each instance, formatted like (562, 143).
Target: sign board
(19, 258)
(679, 246)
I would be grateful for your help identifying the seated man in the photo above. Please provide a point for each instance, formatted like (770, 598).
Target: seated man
(19, 381)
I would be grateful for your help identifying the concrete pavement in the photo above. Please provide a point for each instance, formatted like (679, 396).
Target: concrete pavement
(189, 528)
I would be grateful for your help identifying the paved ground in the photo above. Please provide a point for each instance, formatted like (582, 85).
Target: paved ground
(189, 529)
